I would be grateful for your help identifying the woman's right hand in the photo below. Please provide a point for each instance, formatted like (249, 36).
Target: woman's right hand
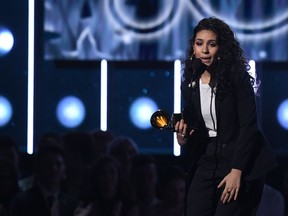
(181, 130)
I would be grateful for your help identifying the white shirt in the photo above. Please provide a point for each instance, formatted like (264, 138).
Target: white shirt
(207, 99)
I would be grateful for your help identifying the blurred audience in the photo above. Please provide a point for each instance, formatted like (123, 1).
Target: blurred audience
(78, 147)
(101, 141)
(9, 151)
(26, 164)
(50, 138)
(124, 149)
(95, 173)
(171, 189)
(46, 197)
(272, 202)
(103, 195)
(144, 177)
(8, 185)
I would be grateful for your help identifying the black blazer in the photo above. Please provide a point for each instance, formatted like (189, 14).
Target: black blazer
(32, 203)
(239, 139)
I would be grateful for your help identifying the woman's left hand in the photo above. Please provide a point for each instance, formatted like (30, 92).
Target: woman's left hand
(232, 186)
(182, 133)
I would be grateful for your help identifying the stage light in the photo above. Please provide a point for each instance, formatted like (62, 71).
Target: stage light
(282, 114)
(5, 111)
(30, 92)
(70, 112)
(103, 103)
(6, 41)
(263, 54)
(141, 111)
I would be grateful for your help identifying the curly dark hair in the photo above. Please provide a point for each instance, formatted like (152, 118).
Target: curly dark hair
(230, 60)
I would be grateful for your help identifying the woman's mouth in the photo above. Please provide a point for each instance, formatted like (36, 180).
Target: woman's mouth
(205, 60)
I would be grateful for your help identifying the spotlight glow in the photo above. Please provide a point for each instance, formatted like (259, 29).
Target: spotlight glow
(6, 41)
(70, 112)
(282, 114)
(141, 110)
(5, 111)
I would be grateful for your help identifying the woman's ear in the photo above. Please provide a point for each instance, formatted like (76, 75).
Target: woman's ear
(193, 56)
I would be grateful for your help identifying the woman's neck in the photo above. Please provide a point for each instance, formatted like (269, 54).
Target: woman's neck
(205, 77)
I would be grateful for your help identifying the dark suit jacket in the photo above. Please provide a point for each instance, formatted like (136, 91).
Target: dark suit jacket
(239, 139)
(32, 203)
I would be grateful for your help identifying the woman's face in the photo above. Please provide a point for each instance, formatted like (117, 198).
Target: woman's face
(205, 46)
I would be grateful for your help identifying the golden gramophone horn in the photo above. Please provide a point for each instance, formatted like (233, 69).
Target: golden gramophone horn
(160, 119)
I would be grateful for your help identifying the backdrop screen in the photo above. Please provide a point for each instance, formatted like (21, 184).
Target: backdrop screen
(127, 84)
(274, 93)
(158, 29)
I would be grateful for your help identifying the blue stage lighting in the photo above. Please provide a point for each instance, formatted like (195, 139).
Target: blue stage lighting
(5, 111)
(282, 114)
(141, 111)
(70, 112)
(6, 41)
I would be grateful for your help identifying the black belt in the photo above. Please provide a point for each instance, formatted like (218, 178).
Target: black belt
(212, 139)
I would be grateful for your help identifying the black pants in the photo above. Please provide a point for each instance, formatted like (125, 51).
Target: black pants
(203, 198)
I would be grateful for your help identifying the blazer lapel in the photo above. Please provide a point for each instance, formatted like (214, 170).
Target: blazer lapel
(217, 107)
(197, 104)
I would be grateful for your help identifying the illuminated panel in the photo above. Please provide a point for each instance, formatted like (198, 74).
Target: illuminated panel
(14, 68)
(60, 79)
(30, 103)
(274, 94)
(103, 109)
(177, 101)
(129, 81)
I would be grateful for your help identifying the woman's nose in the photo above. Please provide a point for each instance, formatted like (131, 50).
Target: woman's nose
(205, 49)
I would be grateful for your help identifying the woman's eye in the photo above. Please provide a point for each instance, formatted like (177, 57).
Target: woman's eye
(213, 44)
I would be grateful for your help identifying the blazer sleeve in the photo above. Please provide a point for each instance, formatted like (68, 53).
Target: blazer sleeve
(247, 118)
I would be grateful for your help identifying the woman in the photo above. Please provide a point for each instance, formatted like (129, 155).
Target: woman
(227, 154)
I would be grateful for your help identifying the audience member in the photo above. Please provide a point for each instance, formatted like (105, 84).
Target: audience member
(26, 166)
(124, 149)
(272, 202)
(9, 151)
(144, 177)
(46, 198)
(104, 193)
(27, 171)
(8, 185)
(51, 138)
(78, 147)
(101, 140)
(171, 191)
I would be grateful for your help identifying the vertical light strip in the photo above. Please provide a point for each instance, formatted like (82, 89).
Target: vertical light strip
(253, 73)
(177, 101)
(103, 109)
(252, 70)
(30, 100)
